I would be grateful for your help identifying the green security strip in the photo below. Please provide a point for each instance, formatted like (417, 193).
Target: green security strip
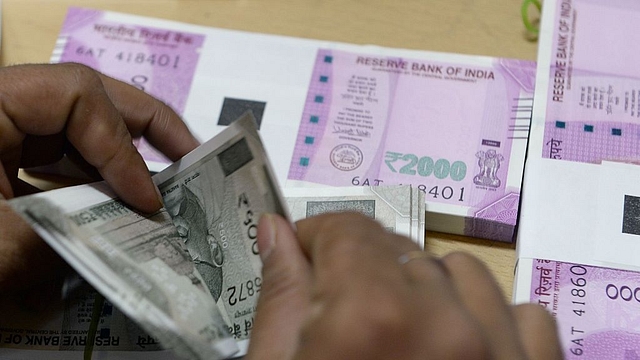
(526, 5)
(98, 303)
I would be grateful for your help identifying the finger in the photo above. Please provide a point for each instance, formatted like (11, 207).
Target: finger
(355, 263)
(485, 302)
(32, 150)
(359, 290)
(447, 323)
(366, 300)
(538, 332)
(285, 292)
(24, 257)
(350, 243)
(6, 190)
(47, 99)
(151, 118)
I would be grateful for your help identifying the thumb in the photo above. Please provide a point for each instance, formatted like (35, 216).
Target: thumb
(284, 296)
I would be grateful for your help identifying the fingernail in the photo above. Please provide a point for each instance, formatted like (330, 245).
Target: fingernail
(266, 236)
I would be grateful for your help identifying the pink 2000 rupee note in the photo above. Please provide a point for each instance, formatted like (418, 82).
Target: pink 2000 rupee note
(455, 130)
(598, 309)
(593, 86)
(159, 61)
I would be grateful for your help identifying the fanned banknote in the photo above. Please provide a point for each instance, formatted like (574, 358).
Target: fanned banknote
(579, 227)
(189, 275)
(400, 209)
(215, 202)
(454, 126)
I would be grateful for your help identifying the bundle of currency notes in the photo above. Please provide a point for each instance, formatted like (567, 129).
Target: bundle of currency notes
(188, 277)
(400, 209)
(454, 126)
(579, 232)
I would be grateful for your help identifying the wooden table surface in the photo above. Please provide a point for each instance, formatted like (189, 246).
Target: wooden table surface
(479, 27)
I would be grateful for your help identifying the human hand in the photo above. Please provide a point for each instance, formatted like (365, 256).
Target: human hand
(42, 107)
(341, 287)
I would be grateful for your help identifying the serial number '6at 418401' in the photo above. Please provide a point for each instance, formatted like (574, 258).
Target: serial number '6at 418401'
(131, 57)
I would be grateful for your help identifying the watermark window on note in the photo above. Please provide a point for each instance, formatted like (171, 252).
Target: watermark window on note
(631, 215)
(234, 108)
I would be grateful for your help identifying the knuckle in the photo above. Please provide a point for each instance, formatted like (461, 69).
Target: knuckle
(346, 228)
(84, 76)
(344, 219)
(161, 117)
(462, 260)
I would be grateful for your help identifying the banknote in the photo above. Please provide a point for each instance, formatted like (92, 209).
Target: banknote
(189, 275)
(139, 265)
(579, 206)
(159, 61)
(456, 131)
(209, 76)
(400, 209)
(590, 89)
(453, 125)
(215, 202)
(597, 308)
(64, 327)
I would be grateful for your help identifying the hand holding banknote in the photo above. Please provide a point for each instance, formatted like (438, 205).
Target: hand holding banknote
(43, 107)
(344, 288)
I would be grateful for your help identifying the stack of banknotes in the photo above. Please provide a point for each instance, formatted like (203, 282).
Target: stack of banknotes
(400, 209)
(454, 126)
(186, 278)
(579, 234)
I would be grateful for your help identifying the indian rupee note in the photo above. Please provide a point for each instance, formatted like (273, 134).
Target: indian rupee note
(454, 128)
(597, 308)
(190, 280)
(215, 203)
(395, 207)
